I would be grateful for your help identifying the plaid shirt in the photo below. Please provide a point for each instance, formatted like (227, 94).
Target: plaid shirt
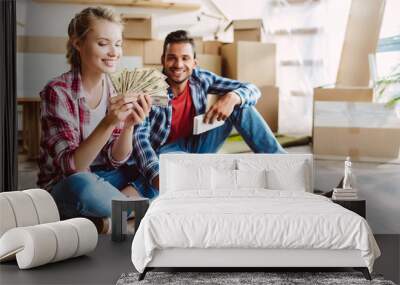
(154, 131)
(64, 114)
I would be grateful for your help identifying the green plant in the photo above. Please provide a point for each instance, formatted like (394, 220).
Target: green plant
(385, 82)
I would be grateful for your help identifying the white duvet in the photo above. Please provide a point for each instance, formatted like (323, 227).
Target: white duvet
(252, 218)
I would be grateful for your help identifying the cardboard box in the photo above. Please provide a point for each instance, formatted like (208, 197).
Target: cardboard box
(155, 66)
(152, 51)
(361, 144)
(250, 62)
(212, 47)
(248, 30)
(138, 26)
(343, 94)
(268, 106)
(41, 44)
(133, 48)
(210, 62)
(362, 34)
(199, 45)
(364, 131)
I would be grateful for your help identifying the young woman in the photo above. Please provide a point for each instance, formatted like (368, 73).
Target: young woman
(86, 127)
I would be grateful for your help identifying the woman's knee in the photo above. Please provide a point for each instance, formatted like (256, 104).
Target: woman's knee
(67, 193)
(81, 182)
(75, 189)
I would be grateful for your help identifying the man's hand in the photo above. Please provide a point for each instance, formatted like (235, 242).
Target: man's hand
(223, 108)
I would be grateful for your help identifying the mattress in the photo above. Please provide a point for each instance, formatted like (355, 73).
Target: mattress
(252, 219)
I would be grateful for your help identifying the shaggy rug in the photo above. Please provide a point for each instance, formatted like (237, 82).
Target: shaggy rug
(242, 278)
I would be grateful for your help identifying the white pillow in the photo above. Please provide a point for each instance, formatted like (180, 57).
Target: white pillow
(293, 178)
(188, 177)
(223, 179)
(251, 178)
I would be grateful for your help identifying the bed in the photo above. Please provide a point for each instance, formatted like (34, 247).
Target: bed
(246, 211)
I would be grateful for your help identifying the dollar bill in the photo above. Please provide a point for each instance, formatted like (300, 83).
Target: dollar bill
(142, 80)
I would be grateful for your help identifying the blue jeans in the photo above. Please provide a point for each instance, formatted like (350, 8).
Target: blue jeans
(91, 193)
(247, 121)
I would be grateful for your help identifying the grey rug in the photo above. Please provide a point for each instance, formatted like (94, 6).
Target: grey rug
(273, 278)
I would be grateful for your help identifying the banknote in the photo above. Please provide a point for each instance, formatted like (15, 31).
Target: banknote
(142, 80)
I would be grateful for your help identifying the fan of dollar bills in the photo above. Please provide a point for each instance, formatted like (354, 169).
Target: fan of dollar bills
(142, 80)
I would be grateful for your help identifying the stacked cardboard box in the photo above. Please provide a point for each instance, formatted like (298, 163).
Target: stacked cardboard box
(347, 123)
(152, 51)
(212, 47)
(255, 62)
(268, 106)
(210, 62)
(199, 45)
(133, 47)
(250, 61)
(248, 30)
(138, 26)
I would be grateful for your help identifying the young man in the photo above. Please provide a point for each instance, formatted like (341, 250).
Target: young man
(170, 129)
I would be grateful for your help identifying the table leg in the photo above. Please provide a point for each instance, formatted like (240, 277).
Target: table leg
(119, 217)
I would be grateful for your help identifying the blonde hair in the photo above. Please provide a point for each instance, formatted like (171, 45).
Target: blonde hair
(80, 25)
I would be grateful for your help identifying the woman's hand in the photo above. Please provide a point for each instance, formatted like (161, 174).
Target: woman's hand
(119, 109)
(141, 109)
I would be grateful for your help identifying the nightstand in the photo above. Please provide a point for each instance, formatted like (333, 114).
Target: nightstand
(357, 206)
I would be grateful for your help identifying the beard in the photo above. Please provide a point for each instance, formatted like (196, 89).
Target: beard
(179, 81)
(171, 79)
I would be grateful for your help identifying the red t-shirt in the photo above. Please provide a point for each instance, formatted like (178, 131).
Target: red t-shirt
(183, 113)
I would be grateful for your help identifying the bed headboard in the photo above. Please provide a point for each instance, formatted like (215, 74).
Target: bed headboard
(288, 166)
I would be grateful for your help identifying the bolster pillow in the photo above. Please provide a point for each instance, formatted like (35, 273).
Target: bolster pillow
(31, 231)
(40, 244)
(26, 208)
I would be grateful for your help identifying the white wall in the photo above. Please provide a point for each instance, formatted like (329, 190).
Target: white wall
(377, 183)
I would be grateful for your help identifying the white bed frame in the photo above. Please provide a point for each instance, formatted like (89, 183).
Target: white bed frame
(250, 258)
(234, 257)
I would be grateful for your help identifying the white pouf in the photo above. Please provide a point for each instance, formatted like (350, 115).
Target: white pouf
(31, 231)
(37, 245)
